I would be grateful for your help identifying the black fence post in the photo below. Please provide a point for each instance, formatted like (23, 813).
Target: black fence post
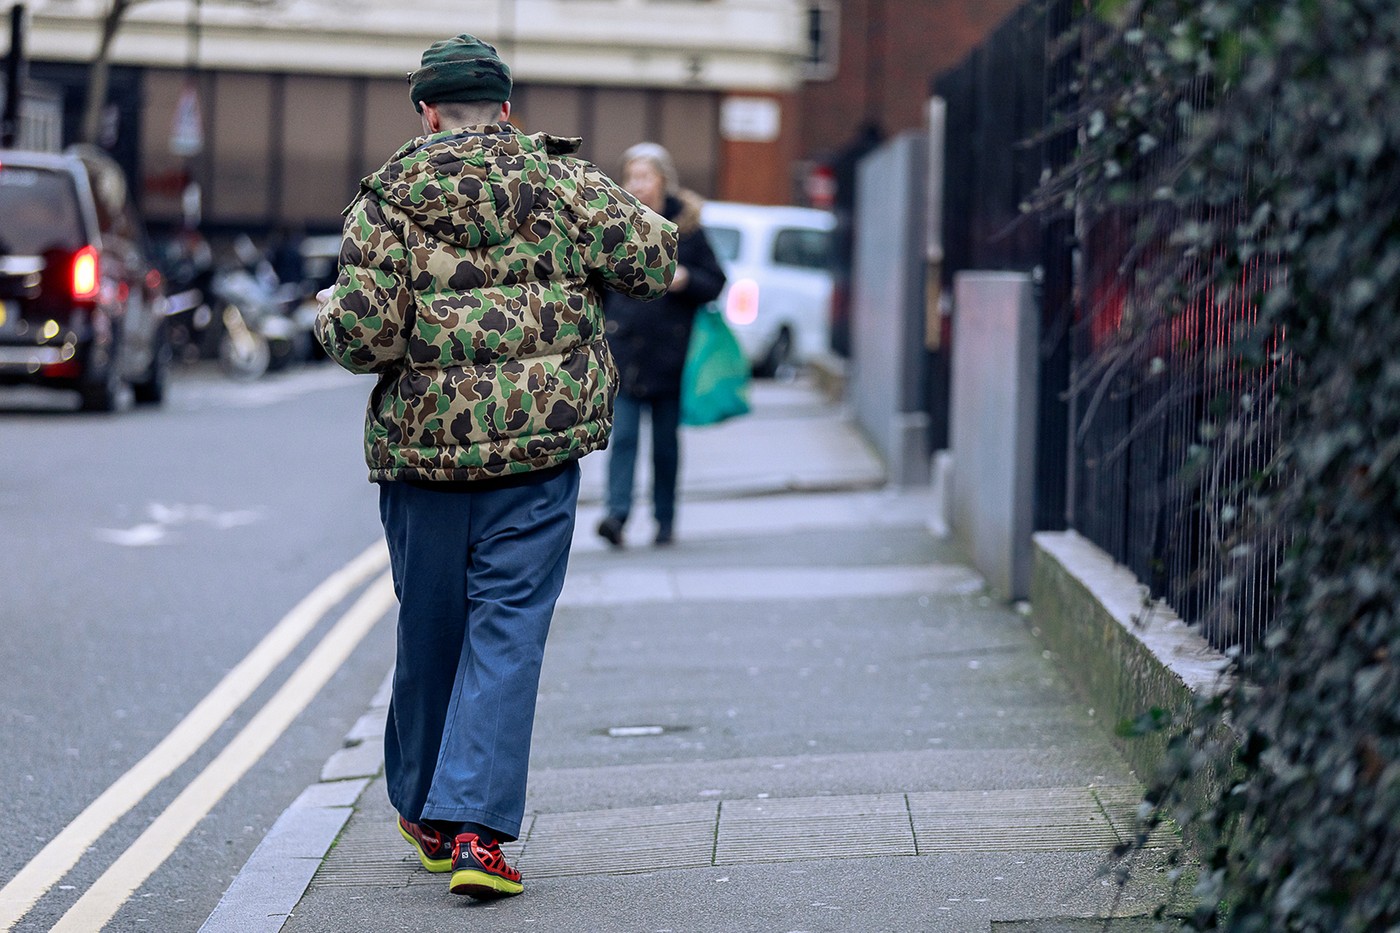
(14, 71)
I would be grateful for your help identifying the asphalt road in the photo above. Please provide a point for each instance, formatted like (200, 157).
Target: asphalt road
(143, 556)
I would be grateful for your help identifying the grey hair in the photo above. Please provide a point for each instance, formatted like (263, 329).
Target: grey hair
(657, 155)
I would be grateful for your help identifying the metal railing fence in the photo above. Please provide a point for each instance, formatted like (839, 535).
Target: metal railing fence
(1149, 434)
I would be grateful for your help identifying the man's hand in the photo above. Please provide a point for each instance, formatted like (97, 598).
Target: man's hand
(680, 280)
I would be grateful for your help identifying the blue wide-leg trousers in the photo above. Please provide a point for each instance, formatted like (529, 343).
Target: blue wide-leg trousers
(477, 575)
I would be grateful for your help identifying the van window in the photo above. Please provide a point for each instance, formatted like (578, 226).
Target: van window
(724, 241)
(803, 248)
(114, 215)
(38, 211)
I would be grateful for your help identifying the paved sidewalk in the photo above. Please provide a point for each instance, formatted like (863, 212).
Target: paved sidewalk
(806, 715)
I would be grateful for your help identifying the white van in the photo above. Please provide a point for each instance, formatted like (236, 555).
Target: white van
(778, 262)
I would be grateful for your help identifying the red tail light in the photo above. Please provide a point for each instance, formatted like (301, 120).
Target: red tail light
(86, 279)
(741, 308)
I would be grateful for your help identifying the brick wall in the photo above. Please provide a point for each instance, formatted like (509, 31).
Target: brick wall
(890, 50)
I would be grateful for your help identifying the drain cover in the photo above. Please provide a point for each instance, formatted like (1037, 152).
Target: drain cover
(633, 732)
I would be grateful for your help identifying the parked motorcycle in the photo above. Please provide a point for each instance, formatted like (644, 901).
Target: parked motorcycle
(241, 313)
(261, 330)
(188, 263)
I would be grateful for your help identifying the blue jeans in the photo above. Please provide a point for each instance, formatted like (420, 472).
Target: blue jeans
(665, 413)
(477, 575)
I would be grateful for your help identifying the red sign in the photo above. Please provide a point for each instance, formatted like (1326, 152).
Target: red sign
(821, 187)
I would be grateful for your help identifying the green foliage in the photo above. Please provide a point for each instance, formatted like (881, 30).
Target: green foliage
(1153, 721)
(1258, 144)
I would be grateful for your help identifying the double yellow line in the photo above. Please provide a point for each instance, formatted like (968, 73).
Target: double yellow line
(105, 897)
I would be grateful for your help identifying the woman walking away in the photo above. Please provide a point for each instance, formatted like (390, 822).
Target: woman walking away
(649, 340)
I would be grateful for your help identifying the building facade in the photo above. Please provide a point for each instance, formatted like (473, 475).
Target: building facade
(276, 108)
(879, 60)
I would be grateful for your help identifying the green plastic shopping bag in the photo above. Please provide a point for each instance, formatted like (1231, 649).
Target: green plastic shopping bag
(715, 382)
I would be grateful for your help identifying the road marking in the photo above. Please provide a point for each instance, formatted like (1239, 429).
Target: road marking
(165, 517)
(63, 852)
(105, 897)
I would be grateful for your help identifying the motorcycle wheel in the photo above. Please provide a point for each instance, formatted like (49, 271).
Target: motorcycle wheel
(243, 353)
(286, 352)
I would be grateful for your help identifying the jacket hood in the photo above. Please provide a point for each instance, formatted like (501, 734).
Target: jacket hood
(471, 188)
(683, 209)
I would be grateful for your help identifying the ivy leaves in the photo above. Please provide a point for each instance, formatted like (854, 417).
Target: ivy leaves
(1257, 144)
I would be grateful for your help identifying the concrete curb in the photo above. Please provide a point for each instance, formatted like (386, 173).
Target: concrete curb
(271, 883)
(1124, 656)
(279, 871)
(829, 375)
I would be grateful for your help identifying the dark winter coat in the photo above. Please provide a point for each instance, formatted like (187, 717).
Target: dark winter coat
(648, 339)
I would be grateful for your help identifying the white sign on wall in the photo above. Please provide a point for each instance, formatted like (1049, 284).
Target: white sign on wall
(187, 126)
(750, 119)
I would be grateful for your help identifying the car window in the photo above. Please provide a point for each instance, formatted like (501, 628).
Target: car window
(38, 211)
(724, 241)
(114, 216)
(802, 247)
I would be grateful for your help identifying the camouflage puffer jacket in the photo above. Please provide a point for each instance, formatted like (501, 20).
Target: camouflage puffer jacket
(470, 279)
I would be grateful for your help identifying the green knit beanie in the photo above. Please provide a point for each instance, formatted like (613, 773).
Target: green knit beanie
(462, 69)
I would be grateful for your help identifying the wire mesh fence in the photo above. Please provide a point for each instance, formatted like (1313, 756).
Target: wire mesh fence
(1152, 434)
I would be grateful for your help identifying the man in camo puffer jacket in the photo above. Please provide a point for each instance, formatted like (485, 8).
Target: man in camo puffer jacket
(471, 270)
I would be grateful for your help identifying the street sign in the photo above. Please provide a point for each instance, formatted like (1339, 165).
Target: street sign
(820, 187)
(187, 126)
(750, 119)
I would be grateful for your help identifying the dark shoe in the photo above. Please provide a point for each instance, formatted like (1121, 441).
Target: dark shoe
(434, 849)
(481, 870)
(664, 535)
(610, 530)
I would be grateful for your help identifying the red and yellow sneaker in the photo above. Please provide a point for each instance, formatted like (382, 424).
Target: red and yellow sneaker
(434, 849)
(480, 870)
